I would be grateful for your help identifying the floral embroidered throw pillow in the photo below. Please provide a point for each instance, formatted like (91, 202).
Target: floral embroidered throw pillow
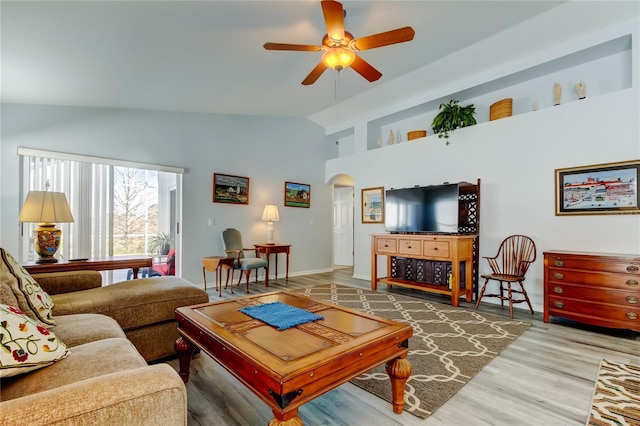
(32, 299)
(26, 345)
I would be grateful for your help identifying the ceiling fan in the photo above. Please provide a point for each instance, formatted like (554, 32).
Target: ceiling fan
(340, 46)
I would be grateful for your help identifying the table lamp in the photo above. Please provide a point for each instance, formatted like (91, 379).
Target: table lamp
(46, 208)
(271, 214)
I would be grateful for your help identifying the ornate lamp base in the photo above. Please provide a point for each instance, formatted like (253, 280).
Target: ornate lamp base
(46, 240)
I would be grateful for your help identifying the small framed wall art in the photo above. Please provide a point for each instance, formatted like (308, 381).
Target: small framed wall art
(230, 189)
(610, 188)
(373, 205)
(297, 194)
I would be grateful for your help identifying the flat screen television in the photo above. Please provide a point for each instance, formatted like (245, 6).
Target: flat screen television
(422, 209)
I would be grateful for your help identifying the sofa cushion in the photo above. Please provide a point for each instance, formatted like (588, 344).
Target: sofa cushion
(86, 361)
(135, 303)
(26, 345)
(64, 282)
(79, 329)
(32, 300)
(6, 295)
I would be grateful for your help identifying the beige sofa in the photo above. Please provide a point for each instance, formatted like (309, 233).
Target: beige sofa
(111, 332)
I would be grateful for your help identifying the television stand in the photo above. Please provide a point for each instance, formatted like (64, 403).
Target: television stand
(441, 264)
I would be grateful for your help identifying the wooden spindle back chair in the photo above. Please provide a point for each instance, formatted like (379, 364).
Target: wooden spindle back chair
(515, 255)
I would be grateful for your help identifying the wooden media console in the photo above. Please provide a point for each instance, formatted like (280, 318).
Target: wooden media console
(435, 263)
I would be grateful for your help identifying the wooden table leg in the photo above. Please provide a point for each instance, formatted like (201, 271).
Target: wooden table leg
(399, 371)
(468, 265)
(204, 277)
(184, 349)
(135, 272)
(286, 277)
(290, 418)
(276, 256)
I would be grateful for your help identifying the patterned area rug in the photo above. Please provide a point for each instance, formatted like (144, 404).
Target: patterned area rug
(448, 348)
(616, 395)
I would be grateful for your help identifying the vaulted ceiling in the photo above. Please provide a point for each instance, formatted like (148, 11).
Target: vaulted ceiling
(207, 56)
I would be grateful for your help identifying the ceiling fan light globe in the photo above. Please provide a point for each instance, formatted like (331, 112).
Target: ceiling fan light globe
(338, 58)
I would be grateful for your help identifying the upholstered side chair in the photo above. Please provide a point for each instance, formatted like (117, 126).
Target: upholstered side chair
(232, 241)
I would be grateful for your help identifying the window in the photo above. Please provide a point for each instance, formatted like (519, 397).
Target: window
(119, 208)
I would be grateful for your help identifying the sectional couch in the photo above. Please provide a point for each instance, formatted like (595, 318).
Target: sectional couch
(109, 335)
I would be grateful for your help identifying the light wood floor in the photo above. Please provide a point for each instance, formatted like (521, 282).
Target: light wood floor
(545, 377)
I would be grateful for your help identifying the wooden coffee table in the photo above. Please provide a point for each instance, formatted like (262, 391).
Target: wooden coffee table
(291, 367)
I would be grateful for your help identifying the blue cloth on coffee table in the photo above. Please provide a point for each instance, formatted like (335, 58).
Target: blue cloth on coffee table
(280, 315)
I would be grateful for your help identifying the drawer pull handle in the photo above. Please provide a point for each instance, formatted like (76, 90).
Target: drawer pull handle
(632, 283)
(408, 247)
(559, 263)
(558, 276)
(632, 315)
(558, 290)
(558, 304)
(632, 299)
(632, 268)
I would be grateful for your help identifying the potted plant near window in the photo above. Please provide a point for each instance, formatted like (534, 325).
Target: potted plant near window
(453, 116)
(160, 243)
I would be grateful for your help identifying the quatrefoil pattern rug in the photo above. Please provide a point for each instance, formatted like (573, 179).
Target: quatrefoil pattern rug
(448, 348)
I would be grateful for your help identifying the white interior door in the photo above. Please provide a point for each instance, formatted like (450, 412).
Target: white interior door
(343, 226)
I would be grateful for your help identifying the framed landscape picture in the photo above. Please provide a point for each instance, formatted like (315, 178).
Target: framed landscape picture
(373, 205)
(297, 194)
(610, 188)
(230, 189)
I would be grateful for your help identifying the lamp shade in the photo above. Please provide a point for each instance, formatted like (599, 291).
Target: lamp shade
(46, 207)
(271, 213)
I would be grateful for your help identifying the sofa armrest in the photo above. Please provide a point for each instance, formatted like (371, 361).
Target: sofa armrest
(150, 395)
(66, 282)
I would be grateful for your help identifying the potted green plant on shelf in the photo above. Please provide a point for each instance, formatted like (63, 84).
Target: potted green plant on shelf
(452, 116)
(160, 243)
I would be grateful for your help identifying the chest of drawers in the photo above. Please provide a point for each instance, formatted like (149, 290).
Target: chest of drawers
(593, 288)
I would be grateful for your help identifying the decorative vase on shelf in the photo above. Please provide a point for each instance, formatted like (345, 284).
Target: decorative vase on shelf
(392, 137)
(557, 93)
(379, 142)
(398, 137)
(581, 88)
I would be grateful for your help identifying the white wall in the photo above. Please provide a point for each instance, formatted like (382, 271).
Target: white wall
(268, 150)
(515, 158)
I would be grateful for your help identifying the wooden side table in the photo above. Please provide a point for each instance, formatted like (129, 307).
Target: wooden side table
(216, 264)
(268, 249)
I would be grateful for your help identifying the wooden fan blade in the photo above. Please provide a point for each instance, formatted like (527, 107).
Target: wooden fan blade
(314, 74)
(297, 47)
(384, 39)
(363, 68)
(333, 19)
